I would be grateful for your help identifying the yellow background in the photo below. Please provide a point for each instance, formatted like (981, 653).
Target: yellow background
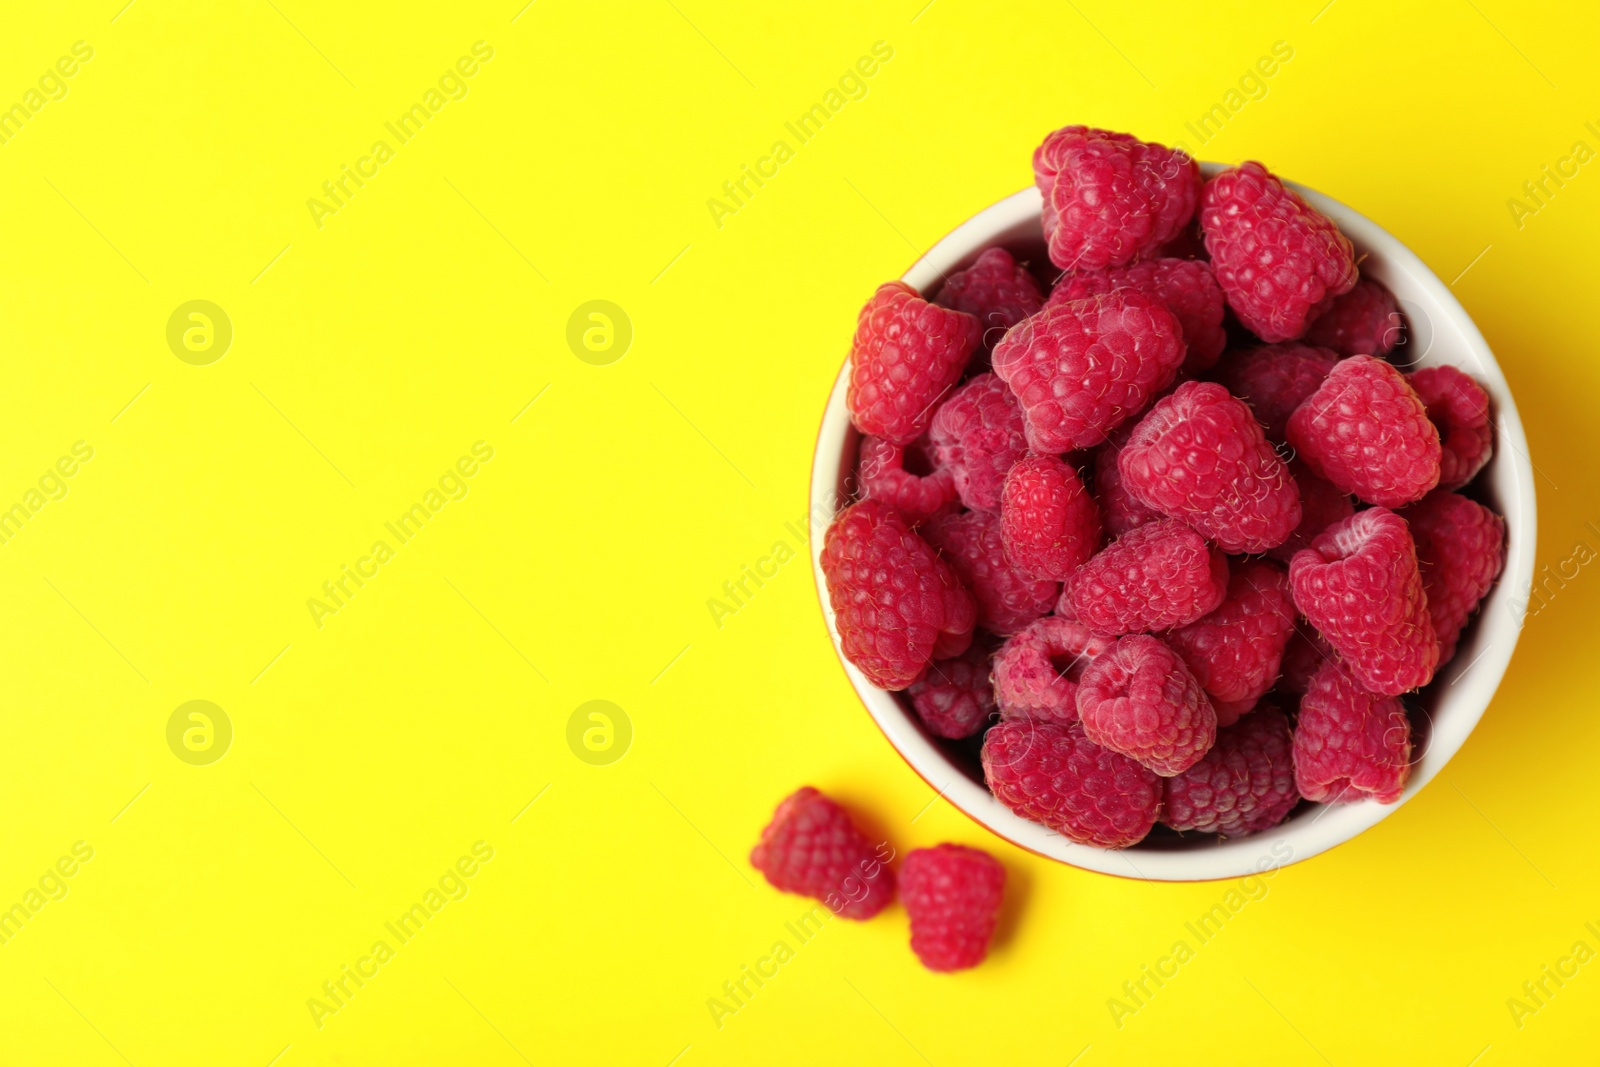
(368, 354)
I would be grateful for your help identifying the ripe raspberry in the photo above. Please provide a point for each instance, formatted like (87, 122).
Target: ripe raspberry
(1036, 671)
(1363, 322)
(1081, 367)
(1303, 657)
(906, 353)
(1235, 652)
(1006, 598)
(1274, 380)
(1366, 431)
(1200, 456)
(1108, 197)
(1153, 577)
(1276, 257)
(1054, 775)
(996, 289)
(954, 698)
(1048, 522)
(1461, 546)
(977, 433)
(882, 469)
(896, 603)
(1139, 699)
(1458, 407)
(812, 848)
(1321, 505)
(1120, 508)
(952, 897)
(1358, 584)
(1244, 785)
(1350, 744)
(1186, 286)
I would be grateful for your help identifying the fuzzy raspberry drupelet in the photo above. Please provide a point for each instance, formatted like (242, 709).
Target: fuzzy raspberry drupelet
(1120, 509)
(896, 603)
(1199, 455)
(1363, 322)
(1006, 598)
(1321, 505)
(1244, 785)
(1366, 431)
(1054, 775)
(977, 434)
(1359, 585)
(1236, 651)
(952, 895)
(1036, 671)
(1461, 546)
(905, 354)
(1081, 367)
(954, 698)
(881, 468)
(812, 848)
(1274, 380)
(1186, 286)
(1049, 523)
(1458, 407)
(1138, 698)
(1154, 577)
(996, 289)
(1350, 744)
(1276, 257)
(1109, 197)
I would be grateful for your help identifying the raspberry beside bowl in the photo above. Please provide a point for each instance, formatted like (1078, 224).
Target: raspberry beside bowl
(1452, 705)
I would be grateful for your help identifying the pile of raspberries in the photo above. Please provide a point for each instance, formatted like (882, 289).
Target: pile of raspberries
(1170, 532)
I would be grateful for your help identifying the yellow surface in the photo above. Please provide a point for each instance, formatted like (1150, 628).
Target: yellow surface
(377, 746)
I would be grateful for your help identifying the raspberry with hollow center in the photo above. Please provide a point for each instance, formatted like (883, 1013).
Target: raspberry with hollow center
(977, 435)
(952, 896)
(1153, 577)
(1006, 598)
(884, 474)
(1138, 698)
(996, 289)
(1036, 671)
(1048, 522)
(1244, 785)
(812, 848)
(1236, 651)
(1459, 408)
(1186, 286)
(1363, 322)
(1274, 380)
(1461, 546)
(954, 697)
(1054, 775)
(905, 354)
(1350, 744)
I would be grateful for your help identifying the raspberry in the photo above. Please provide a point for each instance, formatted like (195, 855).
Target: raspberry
(895, 602)
(1366, 431)
(952, 897)
(1358, 584)
(1138, 698)
(1276, 257)
(1350, 744)
(1275, 379)
(954, 697)
(1302, 657)
(1006, 599)
(812, 848)
(1321, 505)
(1235, 652)
(1054, 775)
(1081, 367)
(1363, 322)
(1200, 456)
(1036, 671)
(1153, 577)
(1186, 286)
(1461, 546)
(977, 433)
(882, 469)
(1244, 785)
(1108, 197)
(906, 353)
(1458, 407)
(997, 290)
(1121, 509)
(1048, 522)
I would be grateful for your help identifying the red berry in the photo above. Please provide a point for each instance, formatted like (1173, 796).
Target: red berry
(1350, 744)
(1321, 505)
(1461, 546)
(1048, 521)
(1036, 671)
(1138, 698)
(1006, 598)
(1186, 286)
(1458, 407)
(1276, 257)
(1236, 651)
(881, 467)
(812, 848)
(1120, 508)
(1153, 577)
(1054, 775)
(1081, 367)
(1363, 322)
(1244, 785)
(895, 602)
(906, 353)
(954, 698)
(1366, 431)
(1359, 585)
(1304, 655)
(977, 434)
(952, 896)
(996, 289)
(1274, 380)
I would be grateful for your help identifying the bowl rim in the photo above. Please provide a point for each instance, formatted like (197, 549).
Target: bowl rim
(1298, 839)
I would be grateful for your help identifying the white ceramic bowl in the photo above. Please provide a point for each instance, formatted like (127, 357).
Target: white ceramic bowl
(1441, 332)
